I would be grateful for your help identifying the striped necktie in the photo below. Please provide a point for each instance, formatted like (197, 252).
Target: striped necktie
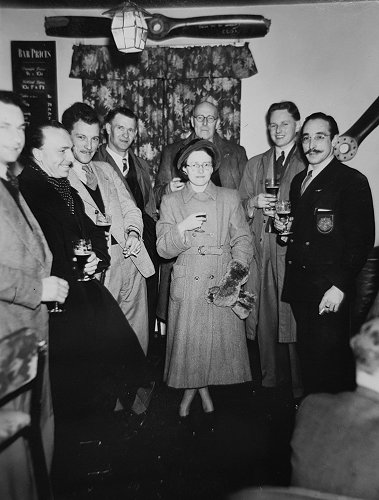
(306, 182)
(125, 165)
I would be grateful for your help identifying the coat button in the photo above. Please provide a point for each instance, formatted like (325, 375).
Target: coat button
(290, 262)
(303, 267)
(194, 235)
(196, 278)
(211, 277)
(211, 234)
(291, 240)
(307, 243)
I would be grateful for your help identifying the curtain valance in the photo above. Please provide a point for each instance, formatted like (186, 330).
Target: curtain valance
(97, 62)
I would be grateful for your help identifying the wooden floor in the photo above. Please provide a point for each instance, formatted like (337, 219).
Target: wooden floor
(155, 457)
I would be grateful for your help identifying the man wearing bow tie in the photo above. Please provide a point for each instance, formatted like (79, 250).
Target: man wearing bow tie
(272, 322)
(333, 232)
(103, 192)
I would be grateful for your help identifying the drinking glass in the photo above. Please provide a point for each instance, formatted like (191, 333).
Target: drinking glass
(283, 211)
(104, 220)
(203, 218)
(56, 309)
(272, 187)
(82, 250)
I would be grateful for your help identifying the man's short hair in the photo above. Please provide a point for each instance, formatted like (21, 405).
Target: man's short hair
(79, 111)
(333, 127)
(8, 97)
(35, 137)
(283, 105)
(205, 101)
(122, 111)
(365, 346)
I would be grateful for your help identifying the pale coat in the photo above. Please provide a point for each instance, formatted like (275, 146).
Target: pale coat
(206, 344)
(25, 260)
(120, 205)
(253, 183)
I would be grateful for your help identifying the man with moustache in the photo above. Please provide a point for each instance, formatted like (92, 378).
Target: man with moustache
(103, 192)
(272, 322)
(333, 232)
(204, 121)
(134, 172)
(25, 285)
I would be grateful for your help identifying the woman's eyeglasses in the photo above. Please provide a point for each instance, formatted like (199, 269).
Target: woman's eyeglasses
(207, 165)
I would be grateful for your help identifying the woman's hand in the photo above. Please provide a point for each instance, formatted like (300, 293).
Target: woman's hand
(192, 222)
(91, 265)
(176, 184)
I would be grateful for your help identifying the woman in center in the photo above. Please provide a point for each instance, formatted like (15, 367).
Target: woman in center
(204, 226)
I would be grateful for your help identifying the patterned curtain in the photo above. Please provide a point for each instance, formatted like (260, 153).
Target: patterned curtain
(161, 86)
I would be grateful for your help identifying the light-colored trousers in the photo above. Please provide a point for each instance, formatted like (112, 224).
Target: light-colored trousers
(128, 287)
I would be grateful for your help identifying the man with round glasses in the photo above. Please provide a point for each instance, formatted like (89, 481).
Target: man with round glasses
(205, 121)
(332, 234)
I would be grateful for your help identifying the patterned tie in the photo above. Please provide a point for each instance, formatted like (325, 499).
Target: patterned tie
(306, 182)
(91, 177)
(12, 179)
(125, 165)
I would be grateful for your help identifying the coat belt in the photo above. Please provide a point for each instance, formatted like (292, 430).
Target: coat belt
(208, 250)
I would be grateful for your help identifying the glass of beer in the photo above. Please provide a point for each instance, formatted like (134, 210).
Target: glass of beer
(272, 187)
(104, 220)
(283, 211)
(202, 218)
(82, 250)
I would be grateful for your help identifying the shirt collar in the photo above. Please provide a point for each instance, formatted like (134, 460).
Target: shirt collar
(77, 168)
(117, 158)
(318, 168)
(189, 193)
(368, 381)
(286, 149)
(3, 171)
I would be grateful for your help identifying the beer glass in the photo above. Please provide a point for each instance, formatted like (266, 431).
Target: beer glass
(82, 250)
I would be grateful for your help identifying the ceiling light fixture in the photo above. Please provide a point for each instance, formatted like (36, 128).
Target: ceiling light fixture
(129, 28)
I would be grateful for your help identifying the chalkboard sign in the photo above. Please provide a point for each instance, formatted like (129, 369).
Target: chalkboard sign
(34, 75)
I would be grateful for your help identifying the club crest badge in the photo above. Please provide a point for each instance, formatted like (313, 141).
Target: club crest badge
(324, 221)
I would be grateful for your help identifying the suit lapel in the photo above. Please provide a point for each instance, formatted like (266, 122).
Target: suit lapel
(112, 163)
(77, 184)
(33, 240)
(314, 191)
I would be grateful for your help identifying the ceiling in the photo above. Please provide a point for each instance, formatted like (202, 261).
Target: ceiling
(149, 4)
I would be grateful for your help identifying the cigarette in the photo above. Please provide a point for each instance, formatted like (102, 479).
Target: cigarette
(322, 310)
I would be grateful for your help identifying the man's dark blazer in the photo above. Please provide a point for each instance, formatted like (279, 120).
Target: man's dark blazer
(335, 445)
(333, 232)
(232, 164)
(143, 176)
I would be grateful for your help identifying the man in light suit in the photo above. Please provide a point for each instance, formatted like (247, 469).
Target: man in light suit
(103, 192)
(134, 172)
(333, 232)
(335, 446)
(272, 322)
(25, 284)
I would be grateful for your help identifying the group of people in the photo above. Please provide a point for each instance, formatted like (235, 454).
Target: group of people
(207, 229)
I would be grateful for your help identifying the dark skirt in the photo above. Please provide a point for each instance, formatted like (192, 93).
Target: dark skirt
(95, 356)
